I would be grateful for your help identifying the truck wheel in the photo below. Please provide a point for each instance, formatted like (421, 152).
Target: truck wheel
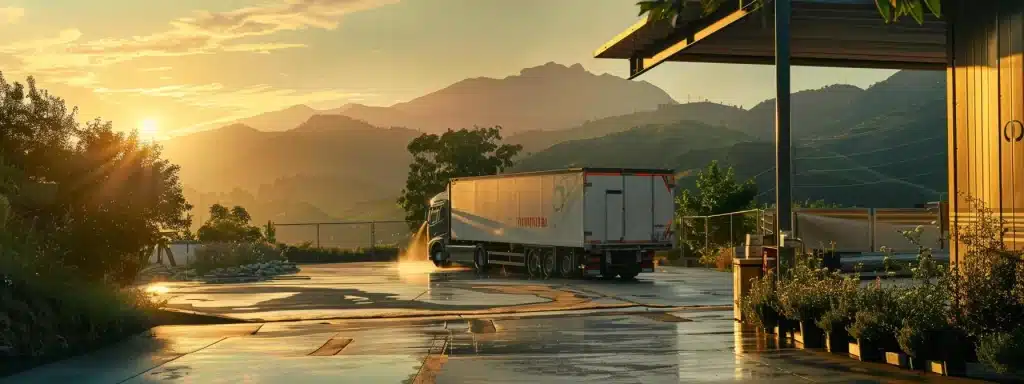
(628, 276)
(533, 263)
(548, 264)
(567, 265)
(480, 261)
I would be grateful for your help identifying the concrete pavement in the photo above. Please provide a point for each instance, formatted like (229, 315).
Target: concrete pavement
(377, 323)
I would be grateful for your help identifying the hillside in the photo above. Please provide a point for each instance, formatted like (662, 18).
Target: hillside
(322, 163)
(707, 113)
(547, 97)
(650, 146)
(881, 147)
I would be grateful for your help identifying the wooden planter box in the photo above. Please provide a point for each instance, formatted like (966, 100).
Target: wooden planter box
(865, 351)
(946, 368)
(809, 335)
(902, 360)
(837, 341)
(784, 329)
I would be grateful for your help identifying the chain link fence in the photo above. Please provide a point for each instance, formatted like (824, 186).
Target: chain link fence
(346, 235)
(714, 240)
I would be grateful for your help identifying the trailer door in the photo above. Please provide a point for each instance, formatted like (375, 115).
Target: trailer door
(613, 215)
(639, 207)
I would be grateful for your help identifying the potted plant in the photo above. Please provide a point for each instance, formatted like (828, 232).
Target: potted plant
(803, 299)
(759, 306)
(872, 326)
(842, 296)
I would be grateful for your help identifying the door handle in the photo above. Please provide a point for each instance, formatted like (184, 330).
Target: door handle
(1013, 127)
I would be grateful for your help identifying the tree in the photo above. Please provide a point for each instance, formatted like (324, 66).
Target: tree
(890, 10)
(436, 159)
(97, 200)
(717, 193)
(226, 226)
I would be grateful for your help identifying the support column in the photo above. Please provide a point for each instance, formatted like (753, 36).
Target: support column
(783, 151)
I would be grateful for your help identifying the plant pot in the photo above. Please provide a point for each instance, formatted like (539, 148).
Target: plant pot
(809, 335)
(946, 368)
(902, 360)
(784, 329)
(864, 350)
(838, 341)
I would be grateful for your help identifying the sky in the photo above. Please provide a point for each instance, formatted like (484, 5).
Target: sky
(177, 66)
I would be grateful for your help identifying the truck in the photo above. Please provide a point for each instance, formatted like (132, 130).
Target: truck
(571, 223)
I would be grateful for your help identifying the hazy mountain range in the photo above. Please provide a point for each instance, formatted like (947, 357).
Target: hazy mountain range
(881, 146)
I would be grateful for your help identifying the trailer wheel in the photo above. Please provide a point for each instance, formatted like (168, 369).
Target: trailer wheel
(628, 276)
(533, 263)
(480, 261)
(548, 264)
(567, 264)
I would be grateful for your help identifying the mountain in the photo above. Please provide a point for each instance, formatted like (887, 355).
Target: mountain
(280, 120)
(650, 146)
(883, 146)
(880, 147)
(703, 112)
(333, 164)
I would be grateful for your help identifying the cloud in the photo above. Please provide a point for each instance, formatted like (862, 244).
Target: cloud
(11, 15)
(203, 33)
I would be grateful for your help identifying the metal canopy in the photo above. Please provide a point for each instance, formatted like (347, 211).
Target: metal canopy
(828, 33)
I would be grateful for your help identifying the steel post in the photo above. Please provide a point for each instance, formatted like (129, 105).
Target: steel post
(783, 155)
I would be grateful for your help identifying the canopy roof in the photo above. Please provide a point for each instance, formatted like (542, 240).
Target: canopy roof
(829, 33)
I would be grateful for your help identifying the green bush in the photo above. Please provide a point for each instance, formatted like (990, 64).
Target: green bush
(842, 304)
(1003, 351)
(803, 294)
(223, 255)
(877, 314)
(760, 305)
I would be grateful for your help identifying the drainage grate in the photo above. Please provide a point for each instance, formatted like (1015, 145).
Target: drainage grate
(331, 347)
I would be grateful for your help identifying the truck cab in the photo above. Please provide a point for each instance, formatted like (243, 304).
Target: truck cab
(438, 228)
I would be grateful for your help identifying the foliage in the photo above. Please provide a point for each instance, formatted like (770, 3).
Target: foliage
(842, 303)
(438, 158)
(270, 232)
(718, 192)
(877, 314)
(307, 253)
(229, 226)
(988, 283)
(890, 10)
(232, 254)
(760, 305)
(99, 197)
(803, 293)
(1003, 351)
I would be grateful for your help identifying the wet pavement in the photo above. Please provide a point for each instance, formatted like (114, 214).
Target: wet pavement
(662, 347)
(374, 323)
(374, 290)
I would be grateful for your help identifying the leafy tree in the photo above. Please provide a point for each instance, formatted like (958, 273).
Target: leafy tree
(229, 226)
(438, 158)
(890, 10)
(97, 199)
(718, 192)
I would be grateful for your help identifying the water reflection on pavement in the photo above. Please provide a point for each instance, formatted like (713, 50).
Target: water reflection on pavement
(678, 347)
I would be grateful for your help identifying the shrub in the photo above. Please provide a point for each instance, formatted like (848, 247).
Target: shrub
(1003, 351)
(222, 255)
(802, 295)
(842, 304)
(876, 316)
(760, 305)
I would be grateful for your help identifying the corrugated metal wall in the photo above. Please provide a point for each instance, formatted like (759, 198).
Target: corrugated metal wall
(986, 107)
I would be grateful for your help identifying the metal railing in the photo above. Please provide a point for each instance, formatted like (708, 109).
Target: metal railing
(346, 235)
(700, 235)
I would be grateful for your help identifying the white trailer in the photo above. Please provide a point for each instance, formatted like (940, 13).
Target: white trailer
(574, 222)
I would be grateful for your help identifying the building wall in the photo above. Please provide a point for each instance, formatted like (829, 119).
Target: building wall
(986, 107)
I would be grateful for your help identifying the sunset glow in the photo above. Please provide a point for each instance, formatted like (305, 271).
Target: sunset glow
(148, 129)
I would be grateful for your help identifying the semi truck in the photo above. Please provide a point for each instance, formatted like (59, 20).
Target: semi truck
(572, 223)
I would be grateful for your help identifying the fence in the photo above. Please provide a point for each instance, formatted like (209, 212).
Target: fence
(346, 235)
(861, 230)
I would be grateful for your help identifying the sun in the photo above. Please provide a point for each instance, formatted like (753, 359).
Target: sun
(148, 129)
